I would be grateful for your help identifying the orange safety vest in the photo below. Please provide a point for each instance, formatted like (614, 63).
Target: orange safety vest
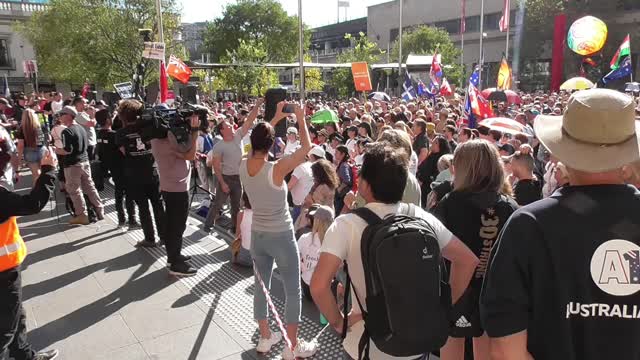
(12, 248)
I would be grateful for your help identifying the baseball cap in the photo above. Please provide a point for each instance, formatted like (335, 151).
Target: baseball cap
(317, 151)
(322, 213)
(292, 130)
(5, 102)
(68, 110)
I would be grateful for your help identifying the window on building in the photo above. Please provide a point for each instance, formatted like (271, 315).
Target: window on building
(451, 26)
(473, 24)
(393, 34)
(5, 60)
(492, 21)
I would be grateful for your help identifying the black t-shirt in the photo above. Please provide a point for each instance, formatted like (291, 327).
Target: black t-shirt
(75, 141)
(139, 164)
(107, 150)
(567, 270)
(476, 219)
(527, 191)
(39, 139)
(420, 142)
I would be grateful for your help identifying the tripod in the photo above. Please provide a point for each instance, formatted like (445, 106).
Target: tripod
(195, 186)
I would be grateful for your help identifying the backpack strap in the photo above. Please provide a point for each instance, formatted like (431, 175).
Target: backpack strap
(367, 215)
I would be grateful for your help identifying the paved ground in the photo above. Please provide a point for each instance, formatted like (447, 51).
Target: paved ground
(91, 294)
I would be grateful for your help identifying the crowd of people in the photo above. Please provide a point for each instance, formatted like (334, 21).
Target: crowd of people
(538, 228)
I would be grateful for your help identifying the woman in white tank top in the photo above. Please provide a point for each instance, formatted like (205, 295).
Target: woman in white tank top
(272, 237)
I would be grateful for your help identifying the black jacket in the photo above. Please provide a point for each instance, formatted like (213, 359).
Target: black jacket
(13, 204)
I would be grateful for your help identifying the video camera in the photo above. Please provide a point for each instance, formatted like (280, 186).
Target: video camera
(157, 122)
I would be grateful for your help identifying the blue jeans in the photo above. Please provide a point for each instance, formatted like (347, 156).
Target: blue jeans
(281, 247)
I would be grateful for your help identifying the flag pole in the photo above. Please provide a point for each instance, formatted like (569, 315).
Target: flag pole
(463, 28)
(161, 38)
(301, 51)
(481, 60)
(400, 47)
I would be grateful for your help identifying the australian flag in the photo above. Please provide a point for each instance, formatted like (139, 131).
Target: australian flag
(409, 92)
(475, 77)
(623, 71)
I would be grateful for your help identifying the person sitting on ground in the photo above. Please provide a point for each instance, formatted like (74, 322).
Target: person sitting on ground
(382, 179)
(241, 246)
(309, 245)
(325, 183)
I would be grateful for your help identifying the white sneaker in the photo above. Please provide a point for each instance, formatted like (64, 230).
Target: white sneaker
(302, 350)
(264, 345)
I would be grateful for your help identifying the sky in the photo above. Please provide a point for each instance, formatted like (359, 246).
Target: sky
(314, 12)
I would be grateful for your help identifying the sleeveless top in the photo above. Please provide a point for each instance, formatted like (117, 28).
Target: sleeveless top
(269, 203)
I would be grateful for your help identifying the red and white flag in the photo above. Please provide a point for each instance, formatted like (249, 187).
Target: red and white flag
(178, 70)
(506, 16)
(445, 88)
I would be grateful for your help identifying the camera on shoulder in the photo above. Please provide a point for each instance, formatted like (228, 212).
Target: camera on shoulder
(157, 122)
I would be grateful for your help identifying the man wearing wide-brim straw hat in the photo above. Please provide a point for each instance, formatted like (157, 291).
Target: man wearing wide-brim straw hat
(564, 278)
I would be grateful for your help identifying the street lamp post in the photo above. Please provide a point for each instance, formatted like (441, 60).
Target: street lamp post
(481, 61)
(301, 51)
(400, 49)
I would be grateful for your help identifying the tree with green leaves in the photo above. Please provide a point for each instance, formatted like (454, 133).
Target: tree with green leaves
(97, 40)
(364, 50)
(247, 77)
(264, 21)
(312, 78)
(424, 40)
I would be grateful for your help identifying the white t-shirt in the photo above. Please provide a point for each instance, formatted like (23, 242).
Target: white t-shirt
(56, 106)
(309, 247)
(351, 145)
(56, 134)
(359, 159)
(413, 164)
(291, 147)
(245, 228)
(343, 240)
(305, 182)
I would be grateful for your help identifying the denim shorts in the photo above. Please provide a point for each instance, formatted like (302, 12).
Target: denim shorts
(34, 155)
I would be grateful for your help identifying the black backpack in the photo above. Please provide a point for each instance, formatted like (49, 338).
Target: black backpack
(408, 295)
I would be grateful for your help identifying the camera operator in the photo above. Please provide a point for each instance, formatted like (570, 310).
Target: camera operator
(140, 172)
(174, 164)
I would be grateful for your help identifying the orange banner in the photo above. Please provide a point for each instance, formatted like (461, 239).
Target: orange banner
(361, 79)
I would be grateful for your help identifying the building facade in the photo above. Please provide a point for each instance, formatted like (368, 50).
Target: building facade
(383, 26)
(14, 48)
(193, 39)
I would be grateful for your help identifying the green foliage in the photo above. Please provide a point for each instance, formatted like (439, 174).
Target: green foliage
(264, 21)
(247, 80)
(424, 40)
(97, 40)
(312, 78)
(364, 50)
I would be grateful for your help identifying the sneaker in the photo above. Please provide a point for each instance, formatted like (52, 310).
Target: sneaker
(302, 350)
(181, 258)
(80, 220)
(207, 229)
(46, 355)
(146, 244)
(100, 214)
(182, 269)
(134, 224)
(264, 345)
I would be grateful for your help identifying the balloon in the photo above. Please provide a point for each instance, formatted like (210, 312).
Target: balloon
(587, 35)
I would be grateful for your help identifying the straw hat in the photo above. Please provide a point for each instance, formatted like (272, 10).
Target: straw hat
(596, 133)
